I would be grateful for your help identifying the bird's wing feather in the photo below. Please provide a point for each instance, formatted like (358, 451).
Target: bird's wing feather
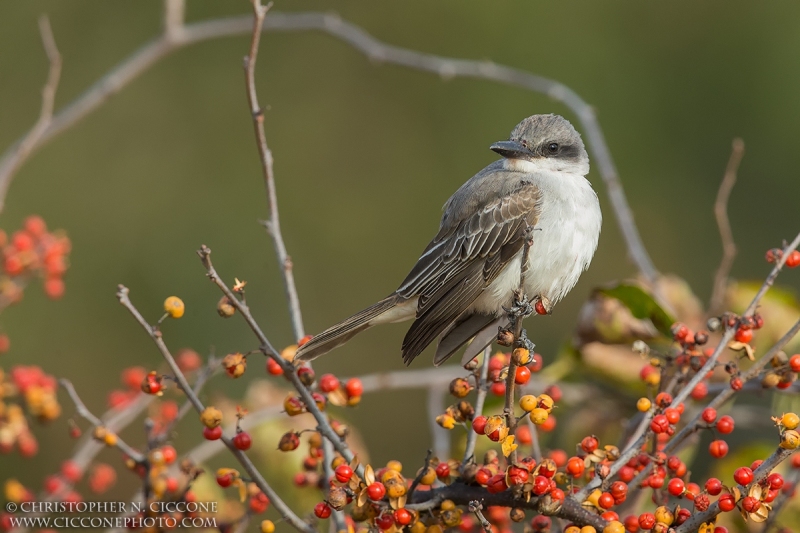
(463, 260)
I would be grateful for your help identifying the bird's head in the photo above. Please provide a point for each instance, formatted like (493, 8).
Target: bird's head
(549, 140)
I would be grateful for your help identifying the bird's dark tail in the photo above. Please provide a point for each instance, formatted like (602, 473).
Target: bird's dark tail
(339, 334)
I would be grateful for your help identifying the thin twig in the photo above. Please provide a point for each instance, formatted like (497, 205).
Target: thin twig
(85, 413)
(131, 67)
(724, 224)
(180, 378)
(760, 473)
(441, 436)
(476, 507)
(273, 225)
(17, 154)
(323, 426)
(482, 388)
(633, 448)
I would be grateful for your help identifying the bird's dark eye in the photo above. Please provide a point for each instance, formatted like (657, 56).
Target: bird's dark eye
(552, 147)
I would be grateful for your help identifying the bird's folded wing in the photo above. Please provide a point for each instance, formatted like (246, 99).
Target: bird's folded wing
(462, 260)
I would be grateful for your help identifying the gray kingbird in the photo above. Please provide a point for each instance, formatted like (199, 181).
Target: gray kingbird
(467, 274)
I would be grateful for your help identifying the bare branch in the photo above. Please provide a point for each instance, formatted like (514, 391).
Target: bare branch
(180, 378)
(273, 225)
(378, 51)
(17, 154)
(724, 224)
(481, 386)
(323, 426)
(174, 13)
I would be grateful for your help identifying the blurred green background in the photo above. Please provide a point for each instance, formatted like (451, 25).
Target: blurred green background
(365, 156)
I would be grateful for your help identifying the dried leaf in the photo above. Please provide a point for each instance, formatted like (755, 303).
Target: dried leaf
(362, 498)
(508, 445)
(755, 491)
(242, 490)
(369, 475)
(337, 397)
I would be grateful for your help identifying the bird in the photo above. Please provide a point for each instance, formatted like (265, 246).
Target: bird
(466, 276)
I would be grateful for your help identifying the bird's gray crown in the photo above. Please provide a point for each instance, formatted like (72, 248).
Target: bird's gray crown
(544, 136)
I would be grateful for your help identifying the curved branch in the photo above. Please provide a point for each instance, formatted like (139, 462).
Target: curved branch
(375, 50)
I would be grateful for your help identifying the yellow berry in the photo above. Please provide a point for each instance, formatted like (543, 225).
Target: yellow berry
(539, 416)
(790, 439)
(211, 417)
(572, 529)
(588, 529)
(446, 421)
(267, 526)
(615, 526)
(653, 378)
(447, 505)
(790, 420)
(110, 439)
(428, 477)
(528, 403)
(664, 516)
(397, 466)
(174, 307)
(643, 405)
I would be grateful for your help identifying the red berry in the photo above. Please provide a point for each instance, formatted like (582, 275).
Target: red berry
(497, 483)
(376, 491)
(442, 471)
(709, 415)
(537, 364)
(22, 241)
(541, 485)
(169, 453)
(672, 414)
(718, 448)
(743, 335)
(606, 500)
(575, 467)
(750, 504)
(328, 383)
(647, 520)
(659, 424)
(793, 259)
(354, 388)
(522, 376)
(385, 521)
(725, 425)
(322, 510)
(35, 225)
(403, 516)
(482, 476)
(274, 368)
(743, 476)
(794, 362)
(479, 424)
(242, 441)
(225, 480)
(736, 383)
(679, 331)
(699, 391)
(676, 486)
(726, 502)
(713, 486)
(71, 471)
(775, 481)
(589, 444)
(343, 473)
(212, 433)
(499, 388)
(54, 288)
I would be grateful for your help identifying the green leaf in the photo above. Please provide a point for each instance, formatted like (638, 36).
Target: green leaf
(641, 305)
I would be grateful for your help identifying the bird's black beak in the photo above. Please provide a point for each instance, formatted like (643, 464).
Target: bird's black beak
(511, 149)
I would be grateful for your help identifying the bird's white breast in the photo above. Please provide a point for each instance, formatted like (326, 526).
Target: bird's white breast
(564, 241)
